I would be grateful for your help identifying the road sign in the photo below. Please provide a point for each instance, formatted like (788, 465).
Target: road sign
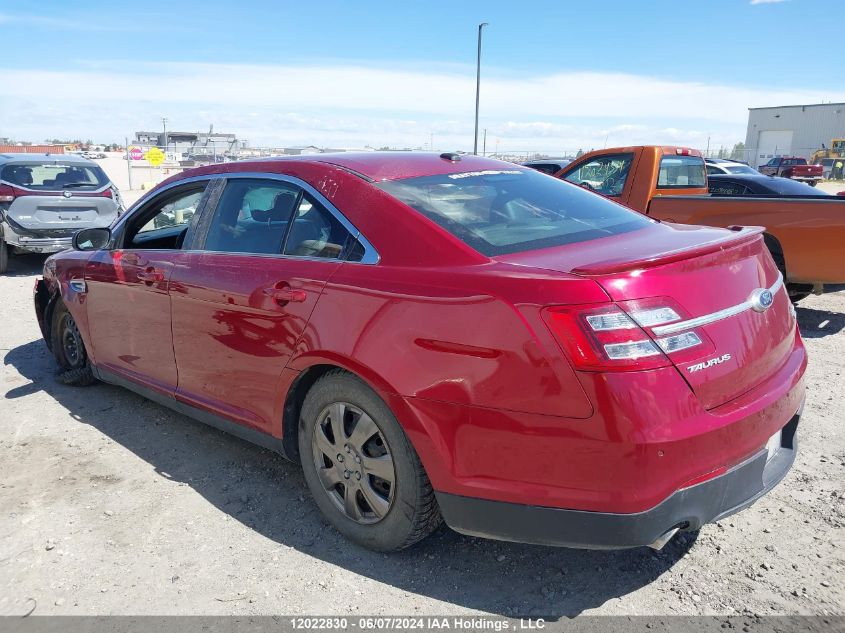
(135, 153)
(155, 156)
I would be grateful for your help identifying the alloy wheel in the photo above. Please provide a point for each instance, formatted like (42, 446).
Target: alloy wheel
(354, 463)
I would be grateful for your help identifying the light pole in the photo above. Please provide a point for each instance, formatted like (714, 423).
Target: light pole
(164, 125)
(477, 87)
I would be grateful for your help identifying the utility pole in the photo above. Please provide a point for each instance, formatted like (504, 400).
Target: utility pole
(484, 150)
(477, 87)
(431, 144)
(164, 125)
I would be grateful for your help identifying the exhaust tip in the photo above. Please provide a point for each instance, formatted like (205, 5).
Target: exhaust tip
(664, 538)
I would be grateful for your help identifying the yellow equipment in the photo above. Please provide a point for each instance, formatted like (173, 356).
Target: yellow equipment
(836, 150)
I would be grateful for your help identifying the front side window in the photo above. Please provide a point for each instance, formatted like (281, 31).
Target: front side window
(163, 224)
(512, 210)
(52, 177)
(678, 172)
(606, 174)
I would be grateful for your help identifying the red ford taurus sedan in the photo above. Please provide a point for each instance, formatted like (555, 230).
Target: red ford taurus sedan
(447, 336)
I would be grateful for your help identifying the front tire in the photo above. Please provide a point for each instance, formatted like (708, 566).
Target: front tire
(4, 256)
(362, 471)
(69, 349)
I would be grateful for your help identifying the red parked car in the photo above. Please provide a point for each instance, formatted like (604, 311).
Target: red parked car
(447, 336)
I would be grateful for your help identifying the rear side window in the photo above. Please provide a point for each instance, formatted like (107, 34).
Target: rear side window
(252, 216)
(512, 210)
(271, 217)
(677, 172)
(315, 232)
(51, 177)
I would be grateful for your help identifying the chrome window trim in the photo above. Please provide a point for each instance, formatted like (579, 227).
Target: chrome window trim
(719, 315)
(370, 257)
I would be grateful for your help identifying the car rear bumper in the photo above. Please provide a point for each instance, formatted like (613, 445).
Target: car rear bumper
(687, 509)
(34, 243)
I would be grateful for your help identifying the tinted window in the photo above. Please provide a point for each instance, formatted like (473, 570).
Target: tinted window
(712, 169)
(252, 216)
(606, 174)
(681, 171)
(546, 168)
(726, 188)
(513, 210)
(54, 176)
(315, 232)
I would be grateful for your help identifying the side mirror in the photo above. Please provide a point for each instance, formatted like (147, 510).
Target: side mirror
(91, 239)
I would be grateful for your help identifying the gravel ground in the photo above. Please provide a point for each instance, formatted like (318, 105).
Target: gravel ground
(110, 504)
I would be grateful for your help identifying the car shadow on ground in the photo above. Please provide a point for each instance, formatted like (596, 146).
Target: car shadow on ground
(815, 323)
(25, 265)
(268, 494)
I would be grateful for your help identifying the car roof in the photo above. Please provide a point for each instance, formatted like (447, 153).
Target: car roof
(375, 166)
(40, 159)
(716, 161)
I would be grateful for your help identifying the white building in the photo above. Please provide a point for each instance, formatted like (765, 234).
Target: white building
(796, 130)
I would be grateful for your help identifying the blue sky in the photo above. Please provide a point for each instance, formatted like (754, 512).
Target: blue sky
(556, 76)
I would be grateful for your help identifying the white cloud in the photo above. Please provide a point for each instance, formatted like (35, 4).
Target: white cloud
(350, 105)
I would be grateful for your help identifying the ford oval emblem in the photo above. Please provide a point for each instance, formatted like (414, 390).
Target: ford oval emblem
(67, 194)
(761, 300)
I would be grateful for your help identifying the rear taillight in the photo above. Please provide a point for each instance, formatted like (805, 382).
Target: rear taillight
(7, 194)
(619, 336)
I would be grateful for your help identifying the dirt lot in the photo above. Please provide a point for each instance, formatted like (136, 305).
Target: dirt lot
(110, 504)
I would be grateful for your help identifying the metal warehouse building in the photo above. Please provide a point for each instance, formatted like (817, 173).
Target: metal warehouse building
(792, 130)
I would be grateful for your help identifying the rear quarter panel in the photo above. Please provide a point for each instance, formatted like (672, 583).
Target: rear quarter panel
(811, 232)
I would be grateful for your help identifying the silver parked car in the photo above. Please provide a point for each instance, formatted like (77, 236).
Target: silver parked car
(46, 198)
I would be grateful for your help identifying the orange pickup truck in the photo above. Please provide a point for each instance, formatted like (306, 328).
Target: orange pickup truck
(806, 235)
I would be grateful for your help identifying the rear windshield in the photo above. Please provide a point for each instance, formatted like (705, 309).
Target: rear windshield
(677, 172)
(508, 211)
(787, 187)
(51, 176)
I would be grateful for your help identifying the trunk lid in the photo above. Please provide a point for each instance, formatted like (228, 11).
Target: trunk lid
(702, 273)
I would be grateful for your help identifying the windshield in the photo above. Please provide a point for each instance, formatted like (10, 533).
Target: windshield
(678, 172)
(501, 211)
(741, 169)
(51, 177)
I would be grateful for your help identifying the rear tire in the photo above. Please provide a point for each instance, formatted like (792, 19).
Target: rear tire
(362, 471)
(796, 292)
(69, 349)
(4, 257)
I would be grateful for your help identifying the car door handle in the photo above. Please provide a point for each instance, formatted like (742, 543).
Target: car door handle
(286, 294)
(151, 275)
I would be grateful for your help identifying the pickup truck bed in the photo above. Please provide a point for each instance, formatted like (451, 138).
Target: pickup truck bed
(805, 235)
